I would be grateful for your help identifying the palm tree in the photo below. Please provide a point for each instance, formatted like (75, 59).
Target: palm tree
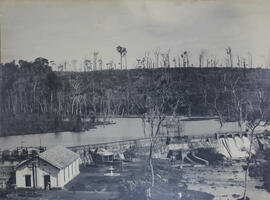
(122, 51)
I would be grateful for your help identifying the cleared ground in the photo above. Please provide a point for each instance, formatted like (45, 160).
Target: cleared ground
(198, 183)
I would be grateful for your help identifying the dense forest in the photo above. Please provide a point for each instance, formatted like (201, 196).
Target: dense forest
(36, 99)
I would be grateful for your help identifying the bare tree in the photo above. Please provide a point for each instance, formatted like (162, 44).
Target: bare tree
(156, 55)
(87, 65)
(77, 97)
(110, 65)
(168, 59)
(216, 105)
(201, 58)
(147, 59)
(100, 63)
(125, 56)
(267, 61)
(238, 101)
(155, 116)
(95, 55)
(250, 60)
(139, 63)
(179, 60)
(258, 114)
(74, 64)
(229, 54)
(143, 63)
(156, 108)
(185, 58)
(165, 59)
(174, 62)
(214, 61)
(218, 111)
(65, 66)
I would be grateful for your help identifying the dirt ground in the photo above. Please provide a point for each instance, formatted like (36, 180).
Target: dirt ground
(64, 195)
(93, 178)
(224, 182)
(90, 184)
(210, 182)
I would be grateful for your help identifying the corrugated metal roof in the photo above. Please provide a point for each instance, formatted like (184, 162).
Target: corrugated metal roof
(59, 156)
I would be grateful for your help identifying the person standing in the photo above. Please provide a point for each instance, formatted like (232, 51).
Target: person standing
(73, 189)
(49, 185)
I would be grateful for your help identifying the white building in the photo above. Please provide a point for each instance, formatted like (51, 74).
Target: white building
(54, 168)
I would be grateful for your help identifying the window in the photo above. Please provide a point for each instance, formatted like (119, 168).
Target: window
(27, 180)
(64, 175)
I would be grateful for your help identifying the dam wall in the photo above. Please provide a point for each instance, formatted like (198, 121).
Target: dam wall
(231, 145)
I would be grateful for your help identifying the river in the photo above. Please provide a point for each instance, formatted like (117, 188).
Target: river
(124, 128)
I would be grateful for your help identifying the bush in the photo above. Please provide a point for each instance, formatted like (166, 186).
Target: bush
(210, 155)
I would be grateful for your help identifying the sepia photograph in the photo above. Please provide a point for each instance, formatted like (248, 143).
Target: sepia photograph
(134, 100)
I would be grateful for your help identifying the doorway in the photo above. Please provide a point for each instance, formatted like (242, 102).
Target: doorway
(47, 182)
(27, 180)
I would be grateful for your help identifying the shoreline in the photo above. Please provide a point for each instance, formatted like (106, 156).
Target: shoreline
(65, 126)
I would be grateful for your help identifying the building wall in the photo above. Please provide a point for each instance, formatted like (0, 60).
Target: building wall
(47, 169)
(20, 176)
(58, 178)
(61, 178)
(42, 170)
(70, 172)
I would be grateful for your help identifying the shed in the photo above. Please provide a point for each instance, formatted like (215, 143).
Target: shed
(51, 169)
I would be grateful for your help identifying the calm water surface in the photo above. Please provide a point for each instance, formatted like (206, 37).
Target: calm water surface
(125, 128)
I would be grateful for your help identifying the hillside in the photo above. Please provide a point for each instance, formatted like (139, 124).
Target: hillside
(127, 90)
(36, 99)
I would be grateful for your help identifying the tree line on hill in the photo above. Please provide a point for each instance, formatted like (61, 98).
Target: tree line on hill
(158, 58)
(37, 98)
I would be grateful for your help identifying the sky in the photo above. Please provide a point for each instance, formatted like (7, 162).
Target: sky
(66, 30)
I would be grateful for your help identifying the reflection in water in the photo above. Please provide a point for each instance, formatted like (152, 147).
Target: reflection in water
(125, 128)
